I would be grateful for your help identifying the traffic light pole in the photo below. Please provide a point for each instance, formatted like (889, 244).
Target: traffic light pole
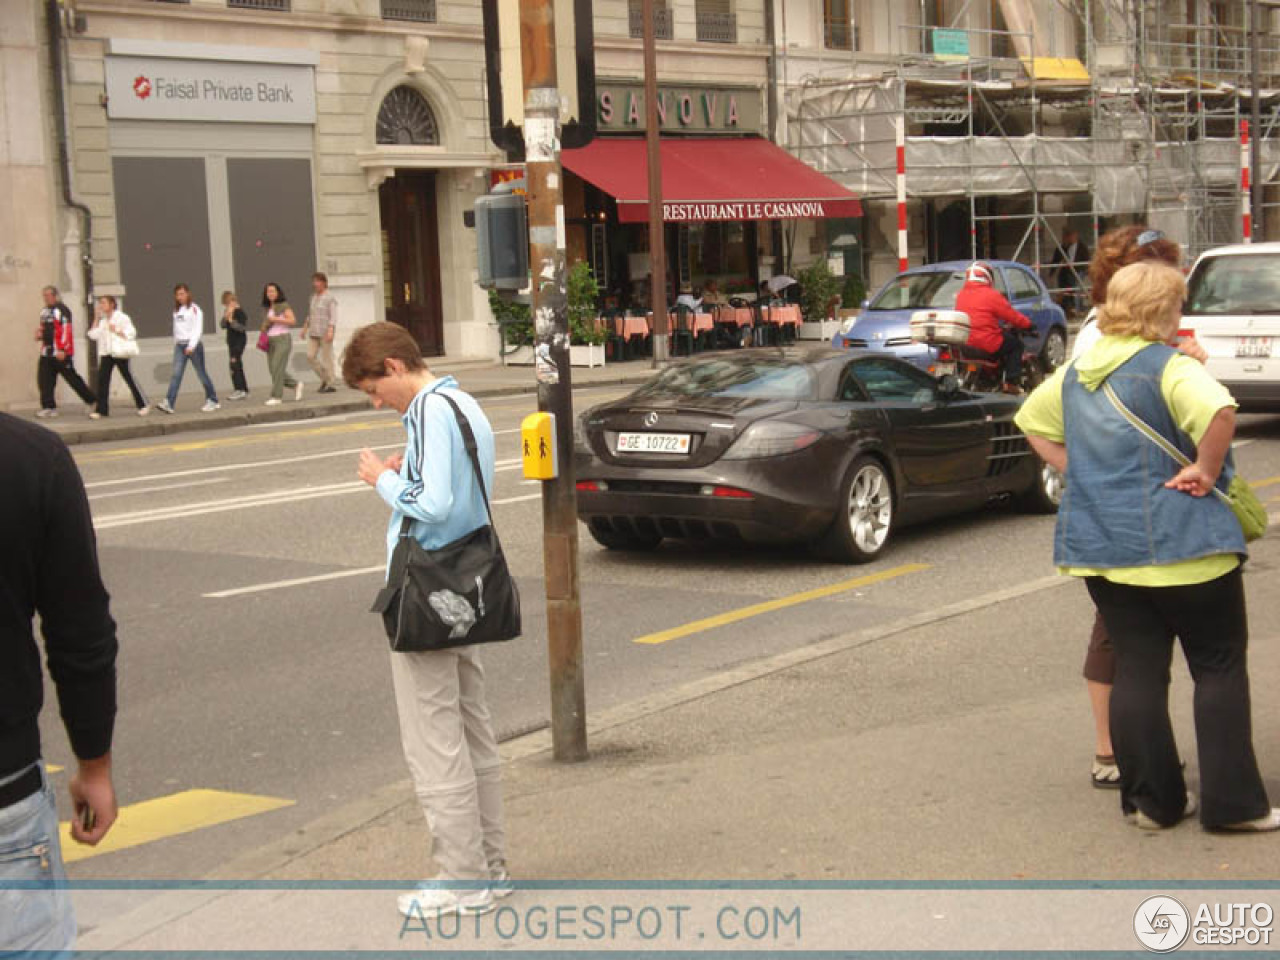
(544, 179)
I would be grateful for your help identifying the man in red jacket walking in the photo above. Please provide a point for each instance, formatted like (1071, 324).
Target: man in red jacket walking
(987, 307)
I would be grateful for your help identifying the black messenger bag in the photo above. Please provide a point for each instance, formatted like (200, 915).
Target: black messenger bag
(459, 594)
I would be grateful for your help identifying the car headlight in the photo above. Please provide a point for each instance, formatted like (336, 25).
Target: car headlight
(771, 438)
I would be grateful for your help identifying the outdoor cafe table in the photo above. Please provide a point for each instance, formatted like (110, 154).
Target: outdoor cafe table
(631, 326)
(700, 322)
(788, 316)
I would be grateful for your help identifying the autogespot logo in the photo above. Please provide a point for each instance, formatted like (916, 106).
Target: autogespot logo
(1161, 924)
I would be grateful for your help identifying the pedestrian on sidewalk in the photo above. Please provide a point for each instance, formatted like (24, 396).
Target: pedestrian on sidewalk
(117, 343)
(188, 328)
(445, 726)
(57, 350)
(1160, 555)
(235, 321)
(318, 331)
(1117, 248)
(279, 324)
(49, 566)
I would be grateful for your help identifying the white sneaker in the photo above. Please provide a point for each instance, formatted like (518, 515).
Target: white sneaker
(1143, 822)
(297, 391)
(44, 413)
(238, 395)
(500, 885)
(210, 406)
(273, 402)
(164, 407)
(1264, 824)
(144, 411)
(428, 901)
(94, 415)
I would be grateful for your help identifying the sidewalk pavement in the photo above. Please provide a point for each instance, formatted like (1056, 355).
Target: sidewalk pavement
(481, 379)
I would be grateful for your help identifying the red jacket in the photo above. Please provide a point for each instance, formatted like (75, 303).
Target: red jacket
(986, 307)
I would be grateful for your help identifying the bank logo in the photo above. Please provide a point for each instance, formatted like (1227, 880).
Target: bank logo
(1161, 924)
(141, 87)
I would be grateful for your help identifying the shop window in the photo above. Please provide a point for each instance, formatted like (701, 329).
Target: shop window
(716, 21)
(719, 249)
(419, 11)
(661, 19)
(406, 119)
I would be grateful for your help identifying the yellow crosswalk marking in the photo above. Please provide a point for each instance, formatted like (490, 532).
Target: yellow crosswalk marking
(170, 816)
(755, 610)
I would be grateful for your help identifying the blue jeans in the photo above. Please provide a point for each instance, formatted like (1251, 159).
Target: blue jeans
(35, 904)
(180, 359)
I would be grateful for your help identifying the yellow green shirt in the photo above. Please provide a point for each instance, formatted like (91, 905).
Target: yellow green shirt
(1194, 398)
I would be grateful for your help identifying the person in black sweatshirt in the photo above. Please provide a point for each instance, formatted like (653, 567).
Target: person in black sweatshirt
(49, 566)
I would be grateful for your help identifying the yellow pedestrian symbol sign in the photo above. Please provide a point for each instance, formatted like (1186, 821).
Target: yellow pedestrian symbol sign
(538, 444)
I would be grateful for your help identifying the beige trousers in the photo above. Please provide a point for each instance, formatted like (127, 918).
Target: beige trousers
(320, 356)
(449, 744)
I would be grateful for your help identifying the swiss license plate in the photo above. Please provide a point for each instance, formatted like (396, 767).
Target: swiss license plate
(944, 367)
(672, 443)
(1253, 347)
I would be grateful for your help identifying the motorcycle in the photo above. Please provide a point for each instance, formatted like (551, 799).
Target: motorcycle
(946, 332)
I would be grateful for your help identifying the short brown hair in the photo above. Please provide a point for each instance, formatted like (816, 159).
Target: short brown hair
(321, 277)
(367, 354)
(228, 296)
(1144, 300)
(1120, 247)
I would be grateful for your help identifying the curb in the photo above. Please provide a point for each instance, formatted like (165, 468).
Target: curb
(161, 424)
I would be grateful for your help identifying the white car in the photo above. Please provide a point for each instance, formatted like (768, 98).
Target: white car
(1233, 309)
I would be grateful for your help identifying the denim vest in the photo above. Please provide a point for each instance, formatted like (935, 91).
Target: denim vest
(1116, 511)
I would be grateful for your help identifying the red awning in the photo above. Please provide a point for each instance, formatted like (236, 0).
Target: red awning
(711, 179)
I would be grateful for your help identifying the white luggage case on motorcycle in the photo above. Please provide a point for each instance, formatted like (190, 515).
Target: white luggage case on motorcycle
(940, 326)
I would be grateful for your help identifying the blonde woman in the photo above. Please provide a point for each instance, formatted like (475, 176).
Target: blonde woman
(279, 324)
(117, 342)
(1161, 558)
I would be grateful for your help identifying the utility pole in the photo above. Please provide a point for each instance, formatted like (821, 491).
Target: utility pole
(1255, 143)
(545, 183)
(653, 150)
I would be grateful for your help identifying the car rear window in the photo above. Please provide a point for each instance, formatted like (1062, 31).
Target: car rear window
(1244, 284)
(917, 291)
(755, 380)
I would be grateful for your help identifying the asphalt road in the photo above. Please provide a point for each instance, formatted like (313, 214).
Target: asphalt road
(233, 678)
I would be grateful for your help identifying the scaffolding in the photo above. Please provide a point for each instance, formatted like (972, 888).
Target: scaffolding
(1143, 125)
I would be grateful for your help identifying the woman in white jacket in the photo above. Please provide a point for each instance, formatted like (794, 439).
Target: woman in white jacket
(117, 342)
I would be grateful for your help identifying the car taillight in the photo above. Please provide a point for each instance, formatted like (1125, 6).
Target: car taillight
(726, 493)
(1186, 334)
(771, 438)
(944, 355)
(593, 486)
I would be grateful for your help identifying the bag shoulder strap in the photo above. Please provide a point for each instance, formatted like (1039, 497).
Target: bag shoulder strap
(1154, 435)
(468, 441)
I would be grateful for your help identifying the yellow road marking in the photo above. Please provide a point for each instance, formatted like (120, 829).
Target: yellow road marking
(170, 816)
(1269, 482)
(755, 610)
(52, 768)
(187, 446)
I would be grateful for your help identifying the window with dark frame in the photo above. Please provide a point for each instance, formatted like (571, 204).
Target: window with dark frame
(837, 20)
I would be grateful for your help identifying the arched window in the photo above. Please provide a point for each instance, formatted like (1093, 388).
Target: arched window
(406, 119)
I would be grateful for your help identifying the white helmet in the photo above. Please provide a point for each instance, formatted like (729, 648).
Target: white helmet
(979, 272)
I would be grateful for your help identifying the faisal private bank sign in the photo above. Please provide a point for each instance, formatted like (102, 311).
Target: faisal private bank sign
(163, 88)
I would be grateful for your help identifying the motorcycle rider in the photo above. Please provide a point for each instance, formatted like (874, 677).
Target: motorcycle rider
(987, 307)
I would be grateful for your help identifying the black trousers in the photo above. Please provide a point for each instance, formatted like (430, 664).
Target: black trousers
(1211, 621)
(105, 368)
(47, 379)
(235, 350)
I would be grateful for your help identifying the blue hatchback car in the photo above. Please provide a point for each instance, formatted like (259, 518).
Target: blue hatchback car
(885, 321)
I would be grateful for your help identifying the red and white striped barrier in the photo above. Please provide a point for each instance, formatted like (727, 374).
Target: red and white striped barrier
(902, 193)
(1246, 212)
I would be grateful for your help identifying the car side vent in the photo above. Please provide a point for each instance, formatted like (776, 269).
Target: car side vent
(1008, 446)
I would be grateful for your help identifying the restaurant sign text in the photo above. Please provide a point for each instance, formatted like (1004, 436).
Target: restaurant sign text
(737, 110)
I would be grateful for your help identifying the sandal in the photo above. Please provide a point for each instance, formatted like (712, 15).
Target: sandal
(1106, 775)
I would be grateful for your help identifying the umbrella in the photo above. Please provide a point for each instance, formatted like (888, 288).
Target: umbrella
(780, 282)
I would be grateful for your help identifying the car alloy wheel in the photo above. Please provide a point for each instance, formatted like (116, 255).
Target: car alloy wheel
(1055, 350)
(870, 508)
